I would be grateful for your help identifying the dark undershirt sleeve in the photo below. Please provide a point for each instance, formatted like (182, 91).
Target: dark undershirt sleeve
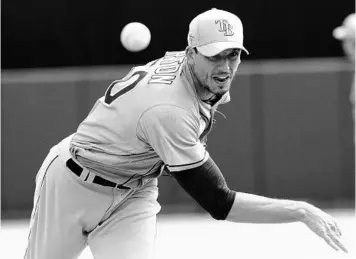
(207, 186)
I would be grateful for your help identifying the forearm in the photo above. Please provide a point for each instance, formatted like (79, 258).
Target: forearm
(250, 208)
(207, 186)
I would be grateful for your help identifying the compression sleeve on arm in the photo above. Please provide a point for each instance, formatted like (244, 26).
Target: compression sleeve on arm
(207, 186)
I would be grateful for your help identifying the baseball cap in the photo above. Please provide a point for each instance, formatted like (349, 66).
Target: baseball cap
(347, 29)
(214, 31)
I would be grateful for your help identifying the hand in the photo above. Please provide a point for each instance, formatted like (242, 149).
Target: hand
(323, 225)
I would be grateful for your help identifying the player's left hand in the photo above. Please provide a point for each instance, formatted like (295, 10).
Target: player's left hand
(324, 225)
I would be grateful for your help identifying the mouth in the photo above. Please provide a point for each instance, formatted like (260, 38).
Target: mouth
(221, 79)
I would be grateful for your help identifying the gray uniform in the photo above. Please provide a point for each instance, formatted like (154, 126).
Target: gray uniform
(98, 187)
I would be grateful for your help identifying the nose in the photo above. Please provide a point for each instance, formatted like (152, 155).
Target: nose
(225, 65)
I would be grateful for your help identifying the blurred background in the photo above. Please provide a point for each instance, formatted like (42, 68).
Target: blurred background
(62, 33)
(289, 130)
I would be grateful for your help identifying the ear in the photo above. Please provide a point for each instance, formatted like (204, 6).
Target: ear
(190, 53)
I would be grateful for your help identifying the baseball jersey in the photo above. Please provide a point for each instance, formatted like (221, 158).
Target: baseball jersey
(148, 120)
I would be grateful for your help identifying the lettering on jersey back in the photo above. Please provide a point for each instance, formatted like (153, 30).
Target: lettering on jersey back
(167, 67)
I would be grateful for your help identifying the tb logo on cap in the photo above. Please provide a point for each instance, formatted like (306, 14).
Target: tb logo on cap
(225, 27)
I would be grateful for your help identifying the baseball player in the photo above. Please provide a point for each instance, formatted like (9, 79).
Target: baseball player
(98, 186)
(346, 34)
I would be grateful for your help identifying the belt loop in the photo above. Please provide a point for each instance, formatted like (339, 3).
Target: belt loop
(90, 176)
(84, 176)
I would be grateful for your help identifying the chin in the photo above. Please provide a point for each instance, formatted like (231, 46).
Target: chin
(221, 92)
(223, 88)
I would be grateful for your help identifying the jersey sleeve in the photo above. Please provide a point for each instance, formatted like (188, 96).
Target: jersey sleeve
(173, 133)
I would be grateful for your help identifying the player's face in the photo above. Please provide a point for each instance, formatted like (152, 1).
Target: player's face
(216, 73)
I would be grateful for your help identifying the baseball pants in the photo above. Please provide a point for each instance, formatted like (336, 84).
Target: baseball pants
(71, 212)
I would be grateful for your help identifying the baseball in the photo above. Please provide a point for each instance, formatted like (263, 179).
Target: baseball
(135, 37)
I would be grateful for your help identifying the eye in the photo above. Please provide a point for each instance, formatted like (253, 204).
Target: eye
(234, 54)
(213, 58)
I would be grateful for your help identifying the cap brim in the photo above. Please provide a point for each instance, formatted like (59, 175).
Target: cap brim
(215, 48)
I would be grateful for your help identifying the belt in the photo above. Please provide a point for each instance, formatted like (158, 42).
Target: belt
(78, 170)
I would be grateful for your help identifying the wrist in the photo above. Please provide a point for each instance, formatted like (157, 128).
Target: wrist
(301, 211)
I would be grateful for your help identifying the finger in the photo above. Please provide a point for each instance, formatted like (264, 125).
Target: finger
(333, 228)
(333, 223)
(338, 228)
(330, 242)
(337, 241)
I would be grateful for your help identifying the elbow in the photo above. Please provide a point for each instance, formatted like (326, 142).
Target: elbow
(222, 205)
(217, 215)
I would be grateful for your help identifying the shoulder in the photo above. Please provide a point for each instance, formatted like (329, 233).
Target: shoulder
(169, 118)
(171, 113)
(167, 121)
